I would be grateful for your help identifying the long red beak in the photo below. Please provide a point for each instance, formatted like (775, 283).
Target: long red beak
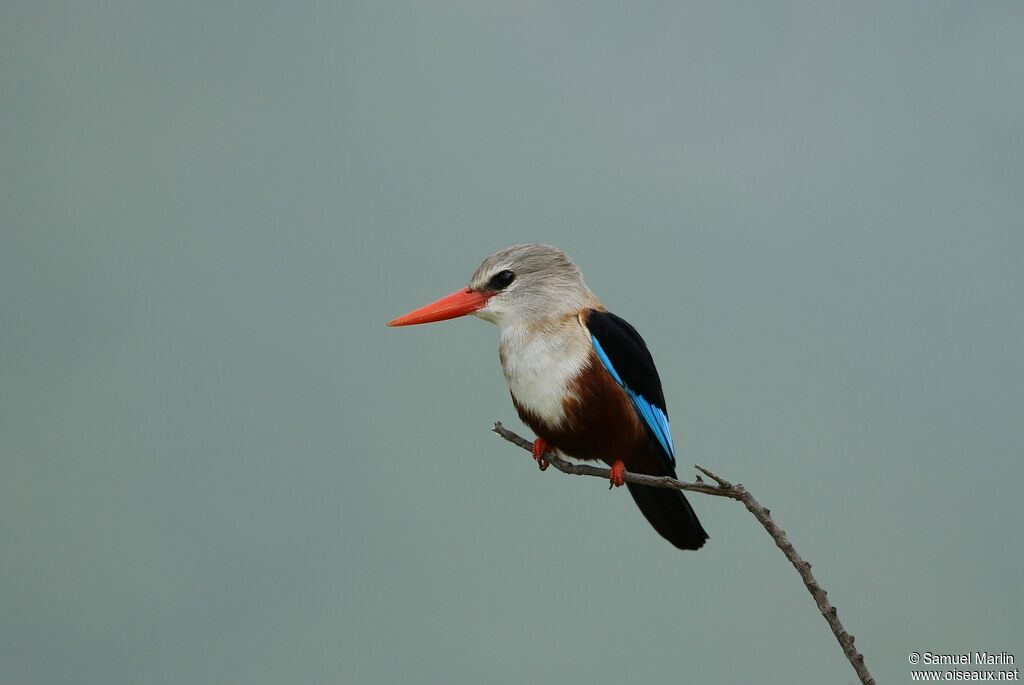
(459, 303)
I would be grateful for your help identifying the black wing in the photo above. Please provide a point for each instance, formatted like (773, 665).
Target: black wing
(626, 357)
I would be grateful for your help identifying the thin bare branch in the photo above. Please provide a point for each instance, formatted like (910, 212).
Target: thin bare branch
(739, 493)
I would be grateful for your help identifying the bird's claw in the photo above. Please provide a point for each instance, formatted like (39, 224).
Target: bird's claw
(617, 478)
(538, 450)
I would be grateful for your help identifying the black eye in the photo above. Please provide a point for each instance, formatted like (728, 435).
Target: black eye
(501, 280)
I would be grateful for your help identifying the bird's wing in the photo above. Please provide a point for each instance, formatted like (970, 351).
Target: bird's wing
(625, 355)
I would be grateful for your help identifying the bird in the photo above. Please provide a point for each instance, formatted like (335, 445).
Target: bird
(580, 377)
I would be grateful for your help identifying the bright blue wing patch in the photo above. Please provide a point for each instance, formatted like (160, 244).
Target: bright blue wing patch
(606, 361)
(653, 416)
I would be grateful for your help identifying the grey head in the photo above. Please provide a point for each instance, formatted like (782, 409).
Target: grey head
(530, 284)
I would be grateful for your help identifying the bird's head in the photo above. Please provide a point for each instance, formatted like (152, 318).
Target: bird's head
(520, 284)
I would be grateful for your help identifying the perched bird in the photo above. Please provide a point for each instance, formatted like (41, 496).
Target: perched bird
(580, 377)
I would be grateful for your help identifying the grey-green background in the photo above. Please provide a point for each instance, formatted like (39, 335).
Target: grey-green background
(218, 466)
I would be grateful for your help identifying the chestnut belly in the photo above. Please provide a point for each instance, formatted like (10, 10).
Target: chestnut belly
(599, 423)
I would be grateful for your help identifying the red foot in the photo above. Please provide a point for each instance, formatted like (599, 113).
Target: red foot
(539, 448)
(617, 478)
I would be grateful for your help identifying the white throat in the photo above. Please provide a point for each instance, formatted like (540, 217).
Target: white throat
(540, 363)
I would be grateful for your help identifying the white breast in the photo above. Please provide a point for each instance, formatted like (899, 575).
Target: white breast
(540, 366)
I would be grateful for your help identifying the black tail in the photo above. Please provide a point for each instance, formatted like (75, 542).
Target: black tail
(670, 514)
